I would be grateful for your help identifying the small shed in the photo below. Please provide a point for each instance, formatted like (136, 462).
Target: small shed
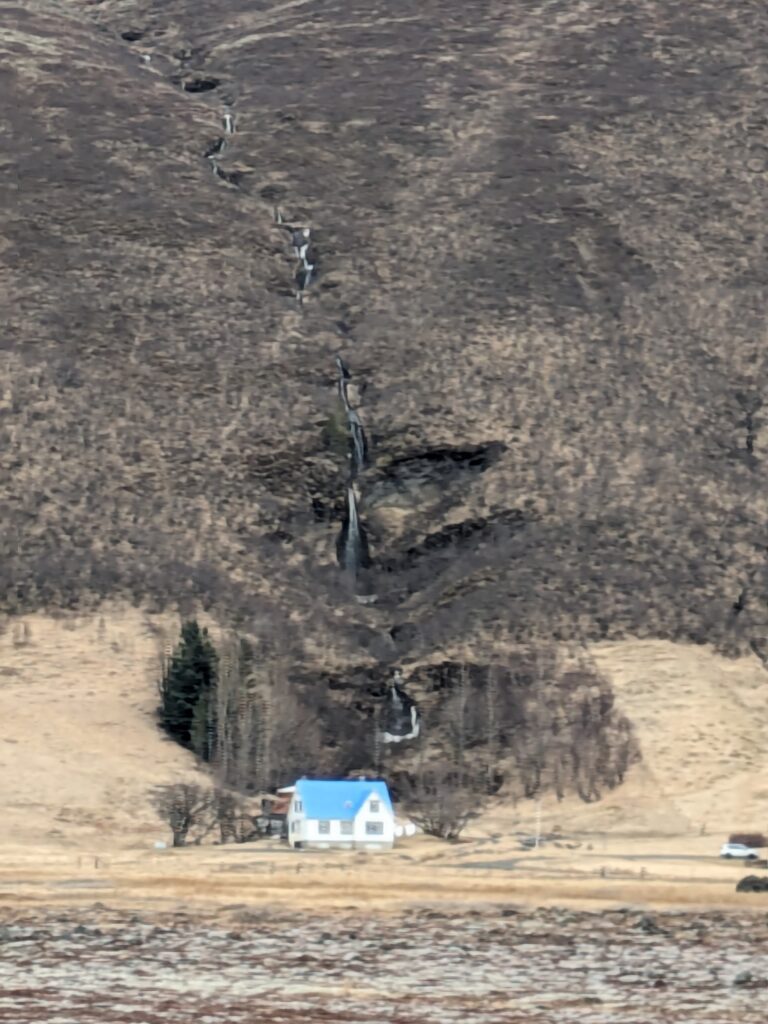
(273, 817)
(350, 814)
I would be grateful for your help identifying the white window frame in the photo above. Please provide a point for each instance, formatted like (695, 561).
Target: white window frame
(374, 828)
(324, 828)
(375, 806)
(298, 806)
(347, 828)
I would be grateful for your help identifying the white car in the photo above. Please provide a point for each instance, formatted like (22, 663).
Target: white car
(739, 850)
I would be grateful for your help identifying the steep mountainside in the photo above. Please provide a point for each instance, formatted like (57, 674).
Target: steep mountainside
(539, 248)
(539, 240)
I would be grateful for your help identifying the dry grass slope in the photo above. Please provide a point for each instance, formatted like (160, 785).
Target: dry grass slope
(702, 721)
(80, 742)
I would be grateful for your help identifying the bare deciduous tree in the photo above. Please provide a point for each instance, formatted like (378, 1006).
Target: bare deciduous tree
(441, 802)
(187, 808)
(544, 720)
(238, 715)
(234, 822)
(266, 734)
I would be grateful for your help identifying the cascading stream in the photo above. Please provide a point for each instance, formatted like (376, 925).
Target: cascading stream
(352, 544)
(400, 719)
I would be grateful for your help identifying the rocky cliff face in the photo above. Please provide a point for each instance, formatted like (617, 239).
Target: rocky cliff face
(537, 247)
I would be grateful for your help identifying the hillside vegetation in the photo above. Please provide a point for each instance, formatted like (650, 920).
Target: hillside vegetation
(81, 749)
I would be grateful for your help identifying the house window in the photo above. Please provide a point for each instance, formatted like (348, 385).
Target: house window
(347, 828)
(324, 828)
(374, 828)
(298, 806)
(294, 826)
(375, 806)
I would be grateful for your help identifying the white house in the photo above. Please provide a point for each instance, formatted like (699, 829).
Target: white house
(348, 814)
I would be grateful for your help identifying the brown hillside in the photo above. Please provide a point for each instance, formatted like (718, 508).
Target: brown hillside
(538, 239)
(539, 249)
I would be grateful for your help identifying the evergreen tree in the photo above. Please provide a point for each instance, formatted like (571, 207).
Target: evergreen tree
(187, 692)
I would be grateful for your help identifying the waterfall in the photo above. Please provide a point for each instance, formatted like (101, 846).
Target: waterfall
(358, 443)
(400, 716)
(352, 544)
(344, 377)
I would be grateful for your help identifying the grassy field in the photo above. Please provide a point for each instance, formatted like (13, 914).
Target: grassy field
(588, 871)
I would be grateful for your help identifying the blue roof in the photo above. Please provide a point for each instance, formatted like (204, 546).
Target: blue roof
(331, 800)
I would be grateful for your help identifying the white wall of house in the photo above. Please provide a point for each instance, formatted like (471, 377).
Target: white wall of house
(372, 828)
